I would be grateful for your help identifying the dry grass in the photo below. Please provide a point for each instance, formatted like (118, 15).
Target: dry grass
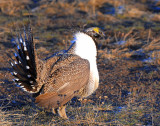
(128, 61)
(13, 7)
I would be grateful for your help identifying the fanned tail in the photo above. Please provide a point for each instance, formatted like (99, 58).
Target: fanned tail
(24, 63)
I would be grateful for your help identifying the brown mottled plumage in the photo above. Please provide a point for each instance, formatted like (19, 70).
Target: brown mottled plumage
(63, 80)
(59, 78)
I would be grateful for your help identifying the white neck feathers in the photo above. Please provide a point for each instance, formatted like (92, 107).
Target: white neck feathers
(85, 46)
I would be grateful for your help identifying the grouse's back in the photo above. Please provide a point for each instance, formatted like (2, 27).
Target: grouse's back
(66, 77)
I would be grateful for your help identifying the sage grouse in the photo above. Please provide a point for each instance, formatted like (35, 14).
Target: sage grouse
(57, 79)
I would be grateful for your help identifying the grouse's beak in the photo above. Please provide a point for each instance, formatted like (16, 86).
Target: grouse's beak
(100, 33)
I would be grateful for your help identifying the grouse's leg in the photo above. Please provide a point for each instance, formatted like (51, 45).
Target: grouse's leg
(62, 112)
(54, 111)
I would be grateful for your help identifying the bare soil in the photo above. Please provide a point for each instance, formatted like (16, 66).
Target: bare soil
(128, 60)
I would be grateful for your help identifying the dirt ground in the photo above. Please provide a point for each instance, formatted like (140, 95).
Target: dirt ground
(128, 60)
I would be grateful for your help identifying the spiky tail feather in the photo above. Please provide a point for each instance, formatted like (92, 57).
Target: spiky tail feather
(24, 63)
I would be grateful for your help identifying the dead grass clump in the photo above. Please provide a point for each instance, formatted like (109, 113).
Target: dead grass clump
(13, 7)
(91, 6)
(57, 8)
(123, 45)
(65, 8)
(133, 12)
(50, 11)
(3, 119)
(132, 44)
(155, 17)
(155, 56)
(106, 18)
(98, 3)
(154, 44)
(106, 55)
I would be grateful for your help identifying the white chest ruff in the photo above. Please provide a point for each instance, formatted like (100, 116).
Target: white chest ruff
(93, 81)
(86, 49)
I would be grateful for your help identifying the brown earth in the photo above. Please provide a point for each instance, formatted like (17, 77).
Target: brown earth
(128, 60)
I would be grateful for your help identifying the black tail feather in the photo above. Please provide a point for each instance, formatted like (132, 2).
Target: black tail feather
(24, 63)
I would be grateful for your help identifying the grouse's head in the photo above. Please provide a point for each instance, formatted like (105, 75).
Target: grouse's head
(94, 32)
(86, 42)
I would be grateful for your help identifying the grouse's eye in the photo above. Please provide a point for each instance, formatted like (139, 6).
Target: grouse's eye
(96, 35)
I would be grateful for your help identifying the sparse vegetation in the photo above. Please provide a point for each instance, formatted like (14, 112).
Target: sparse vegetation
(128, 60)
